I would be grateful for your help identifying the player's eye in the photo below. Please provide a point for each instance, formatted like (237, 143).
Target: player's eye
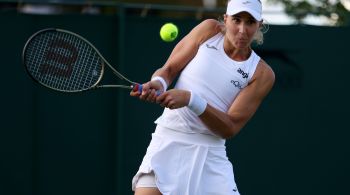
(236, 19)
(252, 21)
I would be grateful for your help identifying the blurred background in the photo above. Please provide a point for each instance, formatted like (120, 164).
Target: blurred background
(92, 143)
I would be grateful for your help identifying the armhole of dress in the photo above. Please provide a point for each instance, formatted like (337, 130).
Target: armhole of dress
(252, 68)
(211, 39)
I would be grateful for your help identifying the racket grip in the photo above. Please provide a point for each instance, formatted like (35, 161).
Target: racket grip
(138, 87)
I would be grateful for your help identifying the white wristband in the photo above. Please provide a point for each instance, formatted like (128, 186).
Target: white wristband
(162, 81)
(197, 104)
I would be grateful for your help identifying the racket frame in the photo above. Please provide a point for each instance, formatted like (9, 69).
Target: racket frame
(133, 85)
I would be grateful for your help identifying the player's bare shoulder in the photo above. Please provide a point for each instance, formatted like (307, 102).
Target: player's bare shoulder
(212, 24)
(208, 28)
(264, 75)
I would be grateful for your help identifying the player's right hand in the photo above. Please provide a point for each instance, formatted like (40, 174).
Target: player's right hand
(150, 91)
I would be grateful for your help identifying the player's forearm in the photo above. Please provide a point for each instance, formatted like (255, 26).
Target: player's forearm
(221, 123)
(165, 73)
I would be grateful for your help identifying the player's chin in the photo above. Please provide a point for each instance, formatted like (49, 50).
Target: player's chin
(242, 44)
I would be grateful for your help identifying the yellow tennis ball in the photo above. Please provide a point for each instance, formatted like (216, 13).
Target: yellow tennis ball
(169, 32)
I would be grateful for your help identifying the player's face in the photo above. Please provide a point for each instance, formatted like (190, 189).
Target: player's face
(240, 29)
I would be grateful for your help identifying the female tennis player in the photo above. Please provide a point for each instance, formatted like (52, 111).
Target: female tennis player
(221, 84)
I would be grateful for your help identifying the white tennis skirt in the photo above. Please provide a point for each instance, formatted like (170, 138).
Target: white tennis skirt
(188, 164)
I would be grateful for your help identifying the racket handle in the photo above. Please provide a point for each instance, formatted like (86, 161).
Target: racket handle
(138, 87)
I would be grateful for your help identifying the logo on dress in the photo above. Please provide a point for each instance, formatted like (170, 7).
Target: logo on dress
(211, 47)
(237, 84)
(244, 75)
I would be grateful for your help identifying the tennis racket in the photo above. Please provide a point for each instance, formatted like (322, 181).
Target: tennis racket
(64, 61)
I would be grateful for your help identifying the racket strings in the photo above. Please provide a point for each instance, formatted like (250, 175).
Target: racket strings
(63, 61)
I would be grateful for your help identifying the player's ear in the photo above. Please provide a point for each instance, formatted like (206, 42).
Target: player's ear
(261, 23)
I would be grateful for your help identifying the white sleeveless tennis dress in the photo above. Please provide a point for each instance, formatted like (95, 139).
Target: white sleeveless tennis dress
(185, 156)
